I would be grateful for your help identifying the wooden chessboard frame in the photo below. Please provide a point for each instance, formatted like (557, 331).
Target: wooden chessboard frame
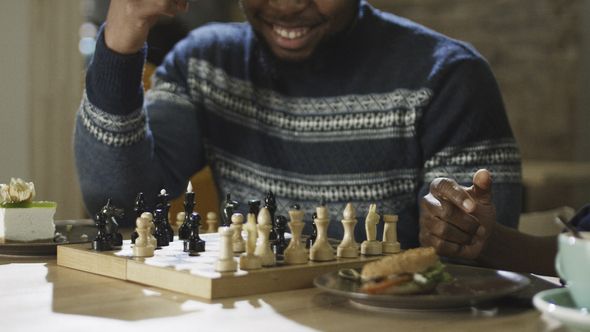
(203, 282)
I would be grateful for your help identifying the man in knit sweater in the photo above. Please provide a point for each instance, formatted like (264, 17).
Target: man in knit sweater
(309, 98)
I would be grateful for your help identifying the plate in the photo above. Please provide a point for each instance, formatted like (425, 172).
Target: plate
(73, 234)
(558, 304)
(468, 287)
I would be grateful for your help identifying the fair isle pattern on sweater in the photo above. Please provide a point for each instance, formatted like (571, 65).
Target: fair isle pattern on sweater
(113, 130)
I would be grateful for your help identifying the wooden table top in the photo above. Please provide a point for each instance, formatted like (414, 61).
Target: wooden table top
(38, 295)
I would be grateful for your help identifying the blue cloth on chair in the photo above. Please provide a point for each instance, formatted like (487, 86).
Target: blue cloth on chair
(582, 219)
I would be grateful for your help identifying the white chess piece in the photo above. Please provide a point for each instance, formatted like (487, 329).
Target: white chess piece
(150, 234)
(371, 246)
(296, 253)
(390, 244)
(238, 242)
(211, 222)
(225, 262)
(348, 248)
(263, 245)
(180, 218)
(249, 260)
(321, 250)
(143, 247)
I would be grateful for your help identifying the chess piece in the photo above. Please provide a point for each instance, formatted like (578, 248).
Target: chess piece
(254, 206)
(390, 244)
(112, 227)
(143, 247)
(279, 245)
(296, 253)
(371, 246)
(180, 216)
(184, 231)
(263, 244)
(102, 242)
(249, 260)
(238, 242)
(139, 208)
(270, 203)
(194, 243)
(348, 248)
(226, 262)
(314, 234)
(162, 238)
(322, 250)
(165, 207)
(227, 209)
(212, 222)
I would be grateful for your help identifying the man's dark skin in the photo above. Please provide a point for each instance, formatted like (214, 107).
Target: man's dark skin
(461, 223)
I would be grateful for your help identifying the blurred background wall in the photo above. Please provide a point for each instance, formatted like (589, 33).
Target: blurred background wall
(538, 49)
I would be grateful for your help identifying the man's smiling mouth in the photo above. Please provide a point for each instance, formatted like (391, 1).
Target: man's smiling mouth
(290, 33)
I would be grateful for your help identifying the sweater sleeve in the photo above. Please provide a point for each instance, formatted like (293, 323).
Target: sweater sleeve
(467, 130)
(124, 146)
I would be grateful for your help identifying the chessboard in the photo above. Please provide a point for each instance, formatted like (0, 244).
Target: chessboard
(173, 269)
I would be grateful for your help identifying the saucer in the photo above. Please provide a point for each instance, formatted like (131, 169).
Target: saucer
(558, 304)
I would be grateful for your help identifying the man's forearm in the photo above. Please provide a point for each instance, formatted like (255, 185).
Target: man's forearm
(509, 249)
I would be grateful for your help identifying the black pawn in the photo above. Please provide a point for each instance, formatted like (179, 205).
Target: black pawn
(310, 240)
(279, 246)
(102, 242)
(140, 207)
(160, 232)
(271, 204)
(163, 204)
(194, 243)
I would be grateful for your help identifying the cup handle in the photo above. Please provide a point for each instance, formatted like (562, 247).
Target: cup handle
(558, 266)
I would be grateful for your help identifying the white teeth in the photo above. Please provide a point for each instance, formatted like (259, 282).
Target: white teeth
(290, 33)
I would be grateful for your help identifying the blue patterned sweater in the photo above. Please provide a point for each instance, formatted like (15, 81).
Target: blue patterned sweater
(373, 121)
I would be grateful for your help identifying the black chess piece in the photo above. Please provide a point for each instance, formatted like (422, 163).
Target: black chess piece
(140, 207)
(102, 242)
(227, 210)
(194, 243)
(112, 227)
(254, 205)
(280, 244)
(160, 233)
(310, 240)
(184, 231)
(270, 202)
(165, 207)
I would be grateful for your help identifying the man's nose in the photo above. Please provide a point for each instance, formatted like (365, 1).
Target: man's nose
(288, 7)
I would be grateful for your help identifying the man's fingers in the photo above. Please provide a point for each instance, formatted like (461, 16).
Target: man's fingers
(442, 247)
(447, 220)
(449, 190)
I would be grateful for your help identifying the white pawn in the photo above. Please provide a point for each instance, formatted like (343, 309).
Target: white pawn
(226, 262)
(143, 247)
(249, 260)
(180, 218)
(211, 222)
(263, 246)
(321, 250)
(371, 246)
(296, 253)
(390, 244)
(238, 242)
(348, 248)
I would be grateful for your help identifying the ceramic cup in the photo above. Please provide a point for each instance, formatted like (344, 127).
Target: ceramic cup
(573, 265)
